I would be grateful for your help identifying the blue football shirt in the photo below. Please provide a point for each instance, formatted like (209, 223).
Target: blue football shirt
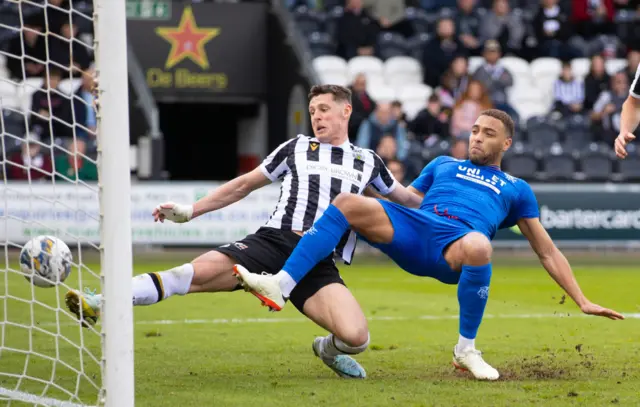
(483, 197)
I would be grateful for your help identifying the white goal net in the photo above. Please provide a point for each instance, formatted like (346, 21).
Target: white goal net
(61, 153)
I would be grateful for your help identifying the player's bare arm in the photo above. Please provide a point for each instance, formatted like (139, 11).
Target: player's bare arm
(558, 267)
(405, 196)
(629, 120)
(227, 194)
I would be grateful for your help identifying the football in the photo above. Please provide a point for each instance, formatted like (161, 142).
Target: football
(45, 261)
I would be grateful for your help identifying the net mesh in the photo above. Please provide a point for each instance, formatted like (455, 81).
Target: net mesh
(48, 155)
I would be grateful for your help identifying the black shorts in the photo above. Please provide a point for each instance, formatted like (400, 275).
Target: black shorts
(268, 249)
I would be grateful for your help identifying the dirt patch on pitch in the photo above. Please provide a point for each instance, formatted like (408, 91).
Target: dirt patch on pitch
(548, 367)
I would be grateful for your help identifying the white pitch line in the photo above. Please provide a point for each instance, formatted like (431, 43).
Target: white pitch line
(37, 400)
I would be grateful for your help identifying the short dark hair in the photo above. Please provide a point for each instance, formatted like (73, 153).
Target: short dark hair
(340, 93)
(504, 117)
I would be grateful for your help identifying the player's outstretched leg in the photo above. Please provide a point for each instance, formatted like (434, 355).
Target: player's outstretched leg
(210, 272)
(365, 215)
(334, 308)
(474, 252)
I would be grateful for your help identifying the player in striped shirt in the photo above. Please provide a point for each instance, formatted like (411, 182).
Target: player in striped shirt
(629, 118)
(314, 170)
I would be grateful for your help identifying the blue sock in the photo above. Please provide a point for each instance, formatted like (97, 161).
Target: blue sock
(317, 243)
(473, 293)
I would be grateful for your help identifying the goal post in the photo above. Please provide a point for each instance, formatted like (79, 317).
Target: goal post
(115, 200)
(65, 172)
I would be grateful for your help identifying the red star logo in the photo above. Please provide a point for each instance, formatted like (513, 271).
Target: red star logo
(187, 40)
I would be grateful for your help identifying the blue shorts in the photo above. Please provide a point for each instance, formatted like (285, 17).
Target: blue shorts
(419, 241)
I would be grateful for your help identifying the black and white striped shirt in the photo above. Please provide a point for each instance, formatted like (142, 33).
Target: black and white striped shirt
(568, 92)
(313, 174)
(635, 86)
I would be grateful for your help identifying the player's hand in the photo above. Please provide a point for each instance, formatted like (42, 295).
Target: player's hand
(174, 212)
(621, 143)
(595, 309)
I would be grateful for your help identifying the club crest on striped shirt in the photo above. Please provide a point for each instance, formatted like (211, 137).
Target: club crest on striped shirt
(314, 146)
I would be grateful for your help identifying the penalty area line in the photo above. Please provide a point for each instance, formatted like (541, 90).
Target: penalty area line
(37, 400)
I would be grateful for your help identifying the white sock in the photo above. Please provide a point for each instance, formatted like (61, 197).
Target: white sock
(332, 347)
(465, 343)
(154, 287)
(287, 283)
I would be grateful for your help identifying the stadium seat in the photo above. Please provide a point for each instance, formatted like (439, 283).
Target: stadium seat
(392, 45)
(517, 66)
(613, 66)
(596, 166)
(368, 65)
(307, 20)
(333, 17)
(402, 70)
(321, 44)
(26, 90)
(412, 108)
(419, 19)
(525, 92)
(581, 67)
(414, 93)
(522, 165)
(332, 78)
(541, 138)
(475, 63)
(576, 139)
(330, 64)
(416, 45)
(529, 109)
(559, 167)
(12, 124)
(381, 93)
(629, 168)
(542, 67)
(69, 87)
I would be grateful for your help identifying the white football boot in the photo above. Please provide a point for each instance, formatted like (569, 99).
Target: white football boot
(85, 306)
(470, 359)
(265, 287)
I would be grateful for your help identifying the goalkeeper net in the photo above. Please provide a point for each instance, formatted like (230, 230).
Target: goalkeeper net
(50, 152)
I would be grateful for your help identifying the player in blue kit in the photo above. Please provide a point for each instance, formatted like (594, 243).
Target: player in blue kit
(448, 238)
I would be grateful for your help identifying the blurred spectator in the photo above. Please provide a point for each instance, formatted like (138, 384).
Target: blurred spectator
(592, 17)
(84, 111)
(553, 29)
(69, 51)
(468, 20)
(607, 109)
(568, 92)
(431, 123)
(633, 59)
(398, 114)
(357, 31)
(502, 25)
(494, 77)
(363, 105)
(460, 149)
(467, 109)
(50, 110)
(32, 162)
(382, 134)
(34, 55)
(74, 165)
(390, 15)
(440, 51)
(454, 82)
(596, 81)
(397, 170)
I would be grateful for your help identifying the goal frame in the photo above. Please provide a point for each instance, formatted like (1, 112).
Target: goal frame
(110, 24)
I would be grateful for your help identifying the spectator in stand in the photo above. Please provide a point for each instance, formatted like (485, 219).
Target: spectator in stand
(596, 81)
(74, 165)
(495, 78)
(32, 162)
(633, 59)
(607, 109)
(390, 15)
(83, 105)
(34, 56)
(460, 149)
(357, 31)
(384, 135)
(398, 113)
(592, 17)
(468, 108)
(468, 21)
(50, 110)
(454, 82)
(397, 170)
(568, 92)
(77, 57)
(504, 26)
(430, 124)
(440, 51)
(363, 105)
(553, 29)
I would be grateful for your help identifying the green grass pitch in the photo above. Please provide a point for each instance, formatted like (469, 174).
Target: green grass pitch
(226, 350)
